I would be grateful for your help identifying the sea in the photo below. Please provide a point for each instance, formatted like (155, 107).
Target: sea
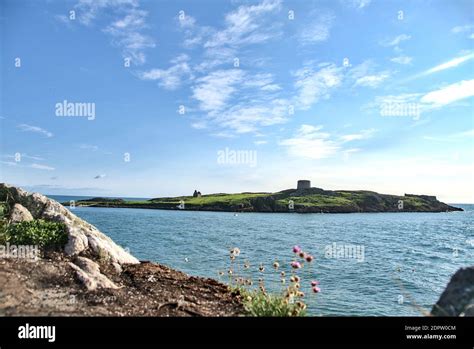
(367, 264)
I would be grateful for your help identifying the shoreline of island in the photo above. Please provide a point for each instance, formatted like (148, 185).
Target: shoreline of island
(303, 199)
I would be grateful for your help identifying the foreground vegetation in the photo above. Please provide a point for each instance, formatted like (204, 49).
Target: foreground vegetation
(290, 278)
(46, 235)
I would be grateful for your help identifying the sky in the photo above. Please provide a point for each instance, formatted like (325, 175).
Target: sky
(158, 98)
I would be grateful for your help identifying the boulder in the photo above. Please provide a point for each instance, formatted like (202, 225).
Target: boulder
(458, 297)
(88, 272)
(19, 214)
(82, 235)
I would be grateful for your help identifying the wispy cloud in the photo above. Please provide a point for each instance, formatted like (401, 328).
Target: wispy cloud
(449, 94)
(402, 59)
(246, 25)
(42, 167)
(364, 134)
(126, 30)
(172, 77)
(452, 63)
(315, 82)
(428, 101)
(214, 90)
(396, 40)
(235, 100)
(365, 74)
(372, 80)
(358, 4)
(318, 29)
(90, 147)
(464, 29)
(312, 143)
(35, 129)
(25, 156)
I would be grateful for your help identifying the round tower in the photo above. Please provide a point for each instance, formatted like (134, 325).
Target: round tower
(304, 184)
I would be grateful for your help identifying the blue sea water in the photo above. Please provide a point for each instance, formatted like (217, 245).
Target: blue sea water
(407, 260)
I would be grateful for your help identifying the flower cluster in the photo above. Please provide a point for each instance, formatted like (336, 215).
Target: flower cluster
(291, 300)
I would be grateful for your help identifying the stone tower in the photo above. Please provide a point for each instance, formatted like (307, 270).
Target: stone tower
(304, 184)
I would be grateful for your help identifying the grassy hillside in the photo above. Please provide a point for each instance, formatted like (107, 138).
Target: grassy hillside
(291, 200)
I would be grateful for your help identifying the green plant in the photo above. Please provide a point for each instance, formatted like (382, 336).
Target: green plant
(3, 236)
(38, 232)
(257, 302)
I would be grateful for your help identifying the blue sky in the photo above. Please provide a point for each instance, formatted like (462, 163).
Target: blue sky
(301, 86)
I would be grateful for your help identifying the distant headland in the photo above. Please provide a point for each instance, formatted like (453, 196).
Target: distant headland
(303, 199)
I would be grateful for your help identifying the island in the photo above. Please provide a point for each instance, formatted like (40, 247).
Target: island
(303, 199)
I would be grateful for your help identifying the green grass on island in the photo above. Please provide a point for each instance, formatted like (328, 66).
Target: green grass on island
(310, 200)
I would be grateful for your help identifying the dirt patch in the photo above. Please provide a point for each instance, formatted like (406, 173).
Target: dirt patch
(48, 287)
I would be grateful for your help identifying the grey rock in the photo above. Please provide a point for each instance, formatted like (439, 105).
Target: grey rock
(82, 235)
(458, 297)
(88, 272)
(19, 214)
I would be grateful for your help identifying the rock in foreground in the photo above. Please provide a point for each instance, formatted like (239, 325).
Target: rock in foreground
(50, 287)
(90, 274)
(458, 297)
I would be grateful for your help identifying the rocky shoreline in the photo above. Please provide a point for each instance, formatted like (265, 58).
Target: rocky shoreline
(93, 276)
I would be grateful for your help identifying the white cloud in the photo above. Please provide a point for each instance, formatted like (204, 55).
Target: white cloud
(186, 21)
(213, 91)
(240, 102)
(318, 29)
(9, 163)
(26, 156)
(309, 142)
(428, 101)
(372, 80)
(396, 40)
(365, 75)
(449, 94)
(462, 29)
(172, 77)
(42, 167)
(312, 84)
(358, 4)
(402, 59)
(89, 147)
(449, 64)
(126, 31)
(364, 134)
(248, 117)
(35, 129)
(89, 9)
(247, 25)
